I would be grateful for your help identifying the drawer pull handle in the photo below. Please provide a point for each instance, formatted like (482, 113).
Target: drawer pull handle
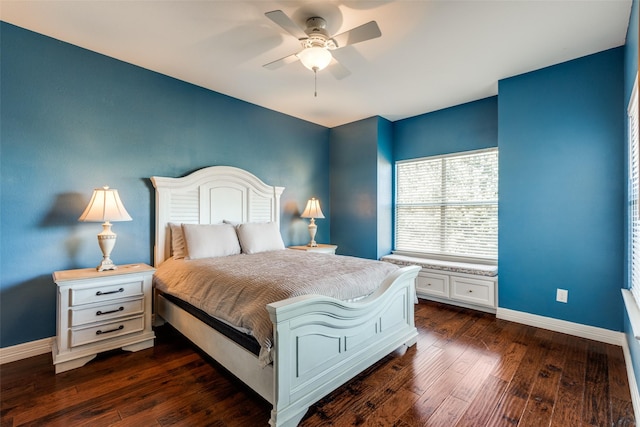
(119, 328)
(110, 292)
(100, 313)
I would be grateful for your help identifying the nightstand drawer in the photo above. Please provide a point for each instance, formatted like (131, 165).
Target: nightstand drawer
(99, 313)
(106, 331)
(106, 292)
(433, 284)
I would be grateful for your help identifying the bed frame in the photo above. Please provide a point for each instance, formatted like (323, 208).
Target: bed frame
(319, 342)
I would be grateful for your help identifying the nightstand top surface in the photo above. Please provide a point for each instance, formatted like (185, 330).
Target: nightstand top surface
(92, 273)
(320, 246)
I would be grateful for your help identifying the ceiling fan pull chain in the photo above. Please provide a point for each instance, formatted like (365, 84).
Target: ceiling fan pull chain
(315, 82)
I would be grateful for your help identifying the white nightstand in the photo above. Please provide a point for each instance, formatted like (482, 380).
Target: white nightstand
(99, 311)
(325, 249)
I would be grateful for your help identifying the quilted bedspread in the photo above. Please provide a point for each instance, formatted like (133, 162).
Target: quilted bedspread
(237, 288)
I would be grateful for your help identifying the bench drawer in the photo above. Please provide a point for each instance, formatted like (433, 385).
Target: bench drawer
(432, 284)
(475, 291)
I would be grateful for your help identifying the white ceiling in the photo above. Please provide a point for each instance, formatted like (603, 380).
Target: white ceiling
(432, 54)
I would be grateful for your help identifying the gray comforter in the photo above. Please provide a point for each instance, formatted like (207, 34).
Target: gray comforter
(237, 288)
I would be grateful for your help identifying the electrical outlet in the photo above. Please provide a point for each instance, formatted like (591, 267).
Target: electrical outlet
(562, 295)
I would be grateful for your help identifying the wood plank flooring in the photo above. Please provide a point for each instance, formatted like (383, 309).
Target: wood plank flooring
(467, 369)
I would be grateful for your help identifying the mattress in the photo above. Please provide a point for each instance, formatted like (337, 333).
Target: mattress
(242, 338)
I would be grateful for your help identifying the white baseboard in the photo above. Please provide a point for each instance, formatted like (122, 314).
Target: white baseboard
(28, 349)
(557, 325)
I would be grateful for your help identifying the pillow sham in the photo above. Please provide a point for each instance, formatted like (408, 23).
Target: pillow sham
(178, 249)
(210, 240)
(257, 237)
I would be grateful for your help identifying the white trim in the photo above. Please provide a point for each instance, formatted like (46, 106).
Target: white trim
(633, 312)
(463, 304)
(26, 350)
(631, 377)
(584, 331)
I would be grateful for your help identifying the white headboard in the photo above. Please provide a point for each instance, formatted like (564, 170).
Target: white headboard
(209, 196)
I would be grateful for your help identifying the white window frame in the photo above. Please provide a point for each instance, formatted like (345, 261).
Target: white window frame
(474, 258)
(634, 193)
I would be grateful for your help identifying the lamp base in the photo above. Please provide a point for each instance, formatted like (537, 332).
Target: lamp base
(106, 265)
(106, 240)
(312, 233)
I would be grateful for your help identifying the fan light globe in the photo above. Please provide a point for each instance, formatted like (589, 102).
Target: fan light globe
(315, 58)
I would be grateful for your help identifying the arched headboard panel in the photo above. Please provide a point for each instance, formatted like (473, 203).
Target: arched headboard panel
(209, 196)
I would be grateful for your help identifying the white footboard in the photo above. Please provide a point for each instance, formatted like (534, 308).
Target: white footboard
(320, 342)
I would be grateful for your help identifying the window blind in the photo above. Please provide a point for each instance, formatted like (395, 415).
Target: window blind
(448, 205)
(634, 193)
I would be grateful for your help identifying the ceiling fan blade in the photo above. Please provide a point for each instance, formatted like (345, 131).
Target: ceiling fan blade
(286, 23)
(281, 62)
(364, 32)
(338, 70)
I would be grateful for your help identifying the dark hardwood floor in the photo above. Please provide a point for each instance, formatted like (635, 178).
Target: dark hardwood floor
(468, 369)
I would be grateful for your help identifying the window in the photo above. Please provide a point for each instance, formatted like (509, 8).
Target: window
(447, 206)
(634, 193)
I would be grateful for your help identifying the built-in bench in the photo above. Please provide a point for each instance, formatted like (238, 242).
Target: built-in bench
(465, 284)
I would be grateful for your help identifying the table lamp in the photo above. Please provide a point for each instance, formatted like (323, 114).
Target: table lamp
(105, 206)
(312, 211)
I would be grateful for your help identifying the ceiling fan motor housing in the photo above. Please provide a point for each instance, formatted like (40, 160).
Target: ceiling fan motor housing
(318, 36)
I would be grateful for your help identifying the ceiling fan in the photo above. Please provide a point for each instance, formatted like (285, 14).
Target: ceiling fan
(316, 42)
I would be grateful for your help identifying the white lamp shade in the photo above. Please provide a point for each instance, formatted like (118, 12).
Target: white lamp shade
(105, 205)
(315, 58)
(312, 210)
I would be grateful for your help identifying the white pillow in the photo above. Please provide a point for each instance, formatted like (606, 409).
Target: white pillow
(210, 240)
(178, 249)
(259, 237)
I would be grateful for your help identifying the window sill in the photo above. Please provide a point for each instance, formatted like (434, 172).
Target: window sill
(633, 311)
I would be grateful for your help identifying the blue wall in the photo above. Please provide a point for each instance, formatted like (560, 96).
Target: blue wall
(385, 187)
(561, 208)
(73, 120)
(353, 163)
(466, 127)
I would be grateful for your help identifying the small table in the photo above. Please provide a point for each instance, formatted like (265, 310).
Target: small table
(99, 311)
(324, 249)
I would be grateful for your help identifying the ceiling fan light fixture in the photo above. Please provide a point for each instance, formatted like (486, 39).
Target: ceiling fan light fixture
(315, 58)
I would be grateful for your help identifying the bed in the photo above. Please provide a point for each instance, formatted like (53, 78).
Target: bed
(319, 342)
